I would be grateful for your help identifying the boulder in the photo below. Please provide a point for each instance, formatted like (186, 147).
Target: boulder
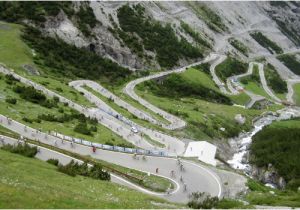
(240, 119)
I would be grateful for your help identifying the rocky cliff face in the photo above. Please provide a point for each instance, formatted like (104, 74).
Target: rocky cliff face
(214, 22)
(268, 175)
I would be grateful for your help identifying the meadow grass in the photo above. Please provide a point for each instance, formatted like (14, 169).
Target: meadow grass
(297, 93)
(261, 195)
(31, 183)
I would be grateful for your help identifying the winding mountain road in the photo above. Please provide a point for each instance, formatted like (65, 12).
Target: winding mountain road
(196, 177)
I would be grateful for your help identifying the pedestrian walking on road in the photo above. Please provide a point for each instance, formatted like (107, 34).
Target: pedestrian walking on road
(181, 167)
(172, 173)
(94, 149)
(156, 170)
(184, 187)
(181, 178)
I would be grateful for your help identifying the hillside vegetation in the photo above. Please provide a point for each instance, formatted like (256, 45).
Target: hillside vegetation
(266, 42)
(238, 45)
(205, 118)
(153, 36)
(291, 62)
(69, 61)
(30, 183)
(230, 67)
(180, 87)
(274, 81)
(279, 144)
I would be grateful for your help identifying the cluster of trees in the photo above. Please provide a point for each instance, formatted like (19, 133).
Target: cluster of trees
(291, 62)
(254, 77)
(266, 42)
(212, 19)
(83, 128)
(205, 67)
(274, 80)
(11, 100)
(153, 36)
(22, 149)
(35, 96)
(74, 168)
(280, 147)
(179, 87)
(195, 35)
(230, 67)
(239, 46)
(85, 125)
(10, 80)
(290, 32)
(36, 11)
(66, 117)
(70, 61)
(86, 19)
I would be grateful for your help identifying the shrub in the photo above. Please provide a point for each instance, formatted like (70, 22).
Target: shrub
(67, 169)
(198, 200)
(83, 129)
(205, 67)
(9, 79)
(35, 96)
(74, 168)
(22, 149)
(53, 161)
(11, 100)
(97, 172)
(26, 119)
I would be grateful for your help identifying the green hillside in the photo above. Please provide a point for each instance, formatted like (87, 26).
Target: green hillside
(279, 145)
(31, 183)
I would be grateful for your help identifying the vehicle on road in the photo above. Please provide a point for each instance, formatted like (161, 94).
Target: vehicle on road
(134, 129)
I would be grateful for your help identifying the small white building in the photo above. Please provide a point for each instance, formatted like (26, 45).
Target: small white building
(203, 150)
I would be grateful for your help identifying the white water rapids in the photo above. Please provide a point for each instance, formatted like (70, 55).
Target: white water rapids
(244, 140)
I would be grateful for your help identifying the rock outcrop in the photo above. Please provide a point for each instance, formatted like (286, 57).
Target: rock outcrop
(237, 19)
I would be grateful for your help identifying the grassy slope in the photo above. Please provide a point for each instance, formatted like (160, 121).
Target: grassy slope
(14, 53)
(297, 93)
(253, 83)
(197, 76)
(260, 195)
(31, 110)
(30, 183)
(198, 110)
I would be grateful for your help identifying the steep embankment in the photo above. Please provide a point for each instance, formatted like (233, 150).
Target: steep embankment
(132, 34)
(276, 148)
